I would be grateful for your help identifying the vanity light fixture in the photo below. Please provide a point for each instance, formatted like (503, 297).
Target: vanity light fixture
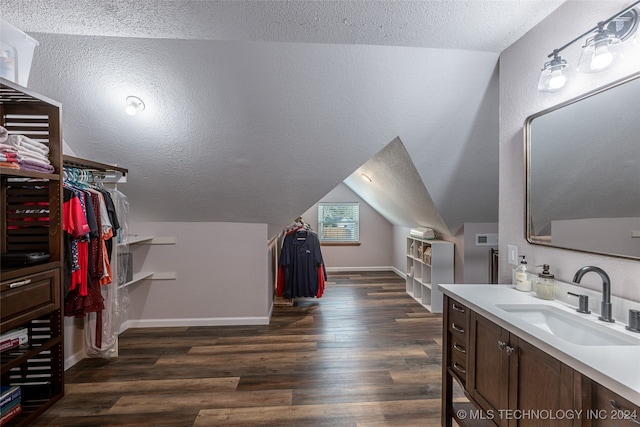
(366, 177)
(599, 52)
(554, 74)
(134, 104)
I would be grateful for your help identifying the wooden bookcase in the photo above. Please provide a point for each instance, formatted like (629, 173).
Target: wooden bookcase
(31, 221)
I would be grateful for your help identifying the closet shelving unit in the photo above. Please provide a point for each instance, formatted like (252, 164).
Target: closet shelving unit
(140, 275)
(429, 262)
(111, 175)
(31, 221)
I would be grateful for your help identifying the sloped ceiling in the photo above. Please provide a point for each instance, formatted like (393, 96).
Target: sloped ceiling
(256, 109)
(396, 190)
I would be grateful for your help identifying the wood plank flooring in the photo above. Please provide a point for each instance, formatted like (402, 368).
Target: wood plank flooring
(364, 355)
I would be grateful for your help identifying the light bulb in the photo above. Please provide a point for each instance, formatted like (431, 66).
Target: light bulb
(131, 110)
(601, 57)
(557, 79)
(553, 75)
(134, 104)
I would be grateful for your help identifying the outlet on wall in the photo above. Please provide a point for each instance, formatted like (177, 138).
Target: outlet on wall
(512, 254)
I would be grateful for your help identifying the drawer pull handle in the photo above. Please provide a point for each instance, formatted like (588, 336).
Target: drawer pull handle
(457, 328)
(627, 414)
(459, 348)
(459, 368)
(20, 283)
(510, 350)
(457, 308)
(501, 345)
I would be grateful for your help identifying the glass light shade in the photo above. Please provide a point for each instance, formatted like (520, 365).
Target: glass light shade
(553, 76)
(599, 53)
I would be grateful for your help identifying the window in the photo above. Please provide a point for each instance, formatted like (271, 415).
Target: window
(339, 222)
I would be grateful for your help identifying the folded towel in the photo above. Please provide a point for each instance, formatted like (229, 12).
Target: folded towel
(6, 148)
(34, 162)
(24, 152)
(3, 134)
(12, 158)
(23, 141)
(9, 165)
(31, 165)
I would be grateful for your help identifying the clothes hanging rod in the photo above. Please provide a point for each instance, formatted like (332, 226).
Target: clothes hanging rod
(78, 162)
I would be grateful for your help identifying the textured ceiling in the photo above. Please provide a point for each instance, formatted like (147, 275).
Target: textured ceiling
(409, 202)
(485, 25)
(255, 110)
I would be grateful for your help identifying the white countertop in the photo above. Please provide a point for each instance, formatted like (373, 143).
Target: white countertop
(615, 367)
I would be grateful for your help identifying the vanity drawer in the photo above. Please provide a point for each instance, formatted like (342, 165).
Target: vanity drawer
(28, 297)
(458, 313)
(612, 408)
(458, 330)
(459, 367)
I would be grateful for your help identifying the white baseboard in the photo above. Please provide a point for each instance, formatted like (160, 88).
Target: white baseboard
(71, 360)
(215, 321)
(400, 273)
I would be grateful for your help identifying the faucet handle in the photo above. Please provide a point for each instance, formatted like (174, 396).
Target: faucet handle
(634, 320)
(583, 303)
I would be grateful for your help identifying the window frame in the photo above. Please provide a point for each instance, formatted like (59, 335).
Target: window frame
(351, 226)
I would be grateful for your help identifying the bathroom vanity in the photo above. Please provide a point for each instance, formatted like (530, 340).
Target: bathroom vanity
(525, 361)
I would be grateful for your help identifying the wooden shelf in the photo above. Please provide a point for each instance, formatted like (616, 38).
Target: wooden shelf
(37, 367)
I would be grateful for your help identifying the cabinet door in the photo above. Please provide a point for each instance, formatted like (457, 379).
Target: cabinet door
(488, 373)
(540, 387)
(604, 408)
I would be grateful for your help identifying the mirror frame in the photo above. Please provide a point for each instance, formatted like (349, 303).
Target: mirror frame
(527, 151)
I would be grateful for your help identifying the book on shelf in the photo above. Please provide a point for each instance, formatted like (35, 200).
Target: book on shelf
(13, 339)
(11, 413)
(13, 333)
(9, 395)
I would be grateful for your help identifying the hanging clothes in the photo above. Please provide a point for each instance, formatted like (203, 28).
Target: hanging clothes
(88, 225)
(301, 267)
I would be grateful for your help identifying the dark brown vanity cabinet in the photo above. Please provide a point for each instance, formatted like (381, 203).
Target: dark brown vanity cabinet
(507, 381)
(604, 408)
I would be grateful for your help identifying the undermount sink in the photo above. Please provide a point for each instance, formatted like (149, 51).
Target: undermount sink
(568, 326)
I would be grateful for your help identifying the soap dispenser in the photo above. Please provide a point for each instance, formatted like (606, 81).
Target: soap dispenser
(545, 284)
(522, 276)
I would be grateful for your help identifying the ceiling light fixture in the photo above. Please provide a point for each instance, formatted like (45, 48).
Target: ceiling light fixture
(134, 104)
(366, 178)
(599, 52)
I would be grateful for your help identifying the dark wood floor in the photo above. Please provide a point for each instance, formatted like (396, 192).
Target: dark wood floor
(364, 355)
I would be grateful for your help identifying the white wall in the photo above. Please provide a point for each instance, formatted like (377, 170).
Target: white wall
(519, 71)
(400, 248)
(222, 275)
(476, 261)
(376, 236)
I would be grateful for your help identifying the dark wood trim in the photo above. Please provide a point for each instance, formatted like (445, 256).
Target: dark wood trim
(90, 164)
(340, 243)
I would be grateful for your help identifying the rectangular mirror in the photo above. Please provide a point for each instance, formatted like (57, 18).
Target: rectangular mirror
(583, 172)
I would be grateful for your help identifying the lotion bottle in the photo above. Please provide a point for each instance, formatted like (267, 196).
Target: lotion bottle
(522, 276)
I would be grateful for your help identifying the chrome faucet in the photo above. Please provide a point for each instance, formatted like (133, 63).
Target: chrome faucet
(605, 305)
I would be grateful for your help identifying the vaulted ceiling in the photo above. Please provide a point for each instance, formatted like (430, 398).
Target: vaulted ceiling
(257, 109)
